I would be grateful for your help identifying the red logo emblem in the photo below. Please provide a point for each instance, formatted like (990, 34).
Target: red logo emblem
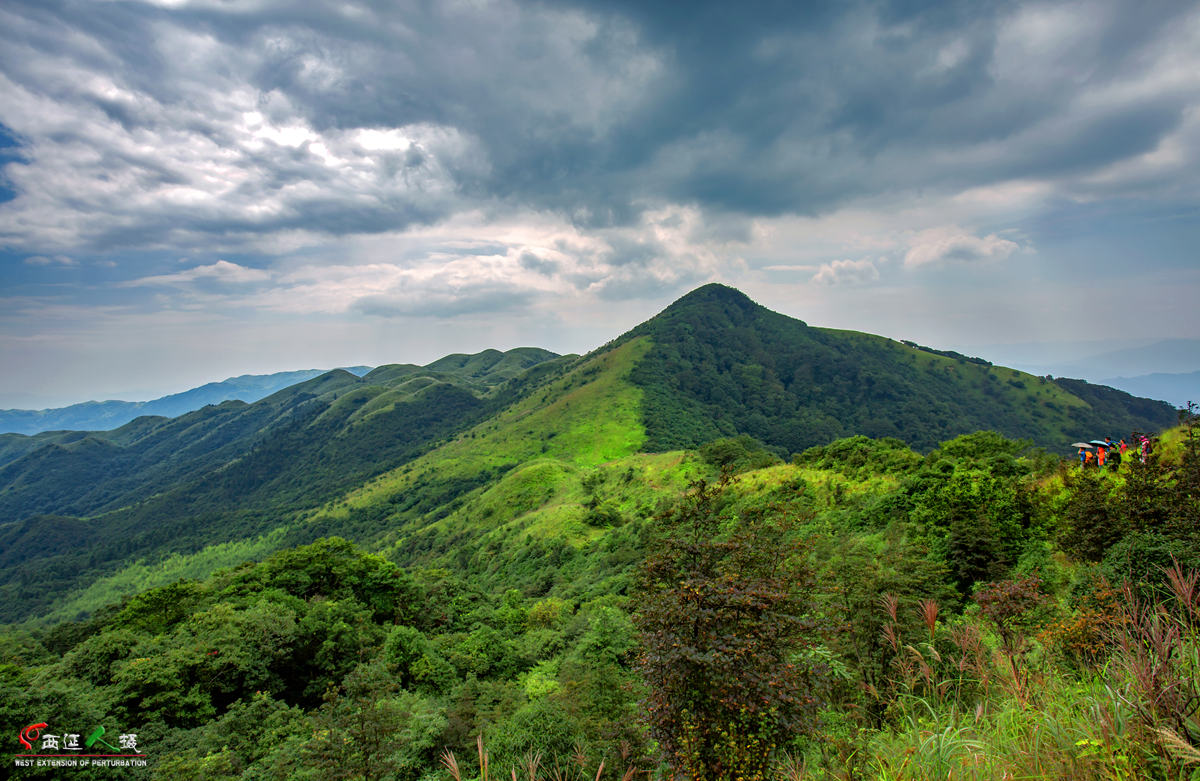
(31, 733)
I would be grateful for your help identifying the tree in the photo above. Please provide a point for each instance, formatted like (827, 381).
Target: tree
(722, 619)
(369, 729)
(1185, 521)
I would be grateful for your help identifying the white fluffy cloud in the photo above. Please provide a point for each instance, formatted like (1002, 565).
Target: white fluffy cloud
(954, 245)
(471, 264)
(222, 271)
(846, 272)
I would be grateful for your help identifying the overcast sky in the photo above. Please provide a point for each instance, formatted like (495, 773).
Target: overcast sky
(198, 189)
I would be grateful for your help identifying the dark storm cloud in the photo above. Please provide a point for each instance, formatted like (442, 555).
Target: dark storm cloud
(637, 253)
(797, 117)
(241, 121)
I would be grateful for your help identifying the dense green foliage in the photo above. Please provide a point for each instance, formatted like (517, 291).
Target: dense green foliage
(722, 365)
(223, 473)
(817, 619)
(323, 657)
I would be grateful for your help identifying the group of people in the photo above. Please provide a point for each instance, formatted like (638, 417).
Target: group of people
(1109, 454)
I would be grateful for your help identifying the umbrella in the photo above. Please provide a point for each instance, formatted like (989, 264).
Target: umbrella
(1082, 444)
(1102, 443)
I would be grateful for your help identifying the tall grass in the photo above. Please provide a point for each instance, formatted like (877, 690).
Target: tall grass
(971, 705)
(964, 708)
(531, 768)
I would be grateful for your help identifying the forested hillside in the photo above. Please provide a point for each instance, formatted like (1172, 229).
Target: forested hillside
(723, 365)
(390, 460)
(372, 571)
(226, 472)
(936, 614)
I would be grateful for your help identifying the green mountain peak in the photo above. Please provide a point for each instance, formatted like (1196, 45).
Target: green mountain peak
(722, 365)
(715, 303)
(714, 292)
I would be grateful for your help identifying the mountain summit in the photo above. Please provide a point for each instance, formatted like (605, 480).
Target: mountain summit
(729, 298)
(721, 364)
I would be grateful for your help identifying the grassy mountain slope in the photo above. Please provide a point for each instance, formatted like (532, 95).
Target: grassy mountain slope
(581, 414)
(67, 478)
(588, 415)
(519, 515)
(85, 474)
(218, 475)
(522, 628)
(723, 365)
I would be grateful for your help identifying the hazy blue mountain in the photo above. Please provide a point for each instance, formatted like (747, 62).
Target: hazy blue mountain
(1175, 389)
(1096, 361)
(105, 415)
(1170, 356)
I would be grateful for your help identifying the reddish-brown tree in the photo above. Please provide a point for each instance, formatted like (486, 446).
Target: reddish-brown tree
(722, 620)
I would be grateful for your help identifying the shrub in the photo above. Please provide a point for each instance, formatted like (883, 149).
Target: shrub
(722, 612)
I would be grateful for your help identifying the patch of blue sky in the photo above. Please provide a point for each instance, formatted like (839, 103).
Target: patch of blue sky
(10, 154)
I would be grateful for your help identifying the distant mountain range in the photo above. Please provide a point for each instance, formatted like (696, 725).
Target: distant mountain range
(407, 459)
(1166, 369)
(105, 415)
(1166, 356)
(1175, 389)
(1094, 358)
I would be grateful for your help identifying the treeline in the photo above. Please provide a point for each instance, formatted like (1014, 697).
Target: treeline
(947, 353)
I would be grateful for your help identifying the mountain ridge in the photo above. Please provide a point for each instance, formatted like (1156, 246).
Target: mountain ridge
(404, 458)
(113, 413)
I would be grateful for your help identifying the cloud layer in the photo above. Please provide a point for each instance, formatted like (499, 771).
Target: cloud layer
(218, 126)
(437, 160)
